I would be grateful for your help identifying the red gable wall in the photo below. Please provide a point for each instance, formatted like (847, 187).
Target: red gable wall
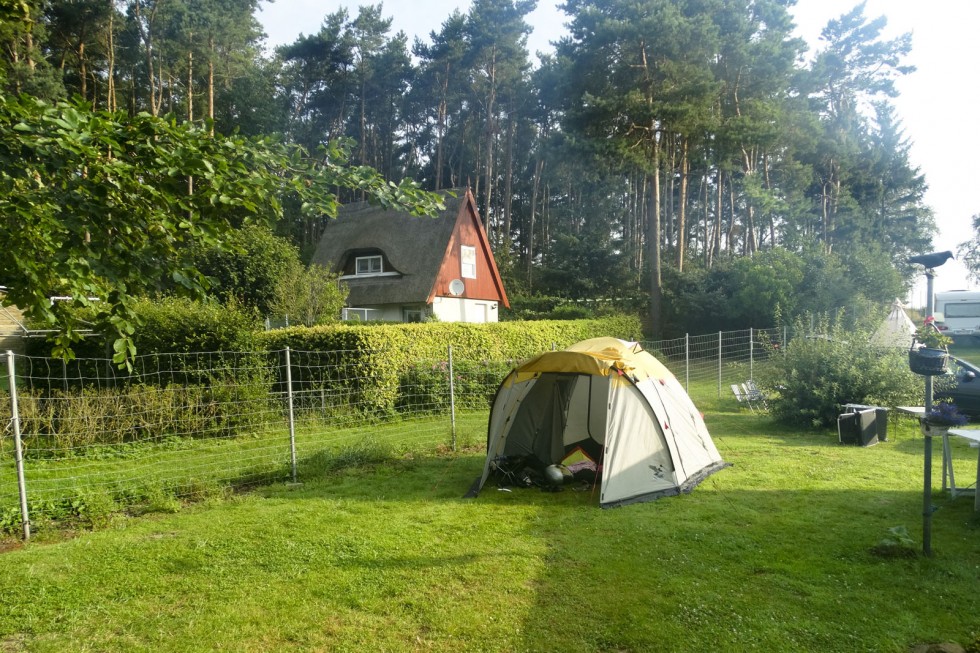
(469, 231)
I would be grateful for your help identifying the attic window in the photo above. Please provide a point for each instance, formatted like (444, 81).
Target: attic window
(467, 260)
(368, 265)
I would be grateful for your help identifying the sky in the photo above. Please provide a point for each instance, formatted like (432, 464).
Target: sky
(937, 104)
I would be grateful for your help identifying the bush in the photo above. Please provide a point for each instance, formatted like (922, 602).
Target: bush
(424, 387)
(59, 423)
(816, 375)
(369, 365)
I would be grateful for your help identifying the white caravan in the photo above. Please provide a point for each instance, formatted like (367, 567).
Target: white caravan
(958, 312)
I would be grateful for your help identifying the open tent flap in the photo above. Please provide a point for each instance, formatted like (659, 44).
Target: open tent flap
(560, 413)
(547, 418)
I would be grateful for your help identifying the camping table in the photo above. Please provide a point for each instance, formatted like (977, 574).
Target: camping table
(949, 482)
(973, 435)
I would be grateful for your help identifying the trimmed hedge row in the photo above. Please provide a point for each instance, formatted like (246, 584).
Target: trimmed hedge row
(383, 354)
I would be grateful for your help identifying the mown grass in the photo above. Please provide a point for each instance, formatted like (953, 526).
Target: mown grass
(377, 551)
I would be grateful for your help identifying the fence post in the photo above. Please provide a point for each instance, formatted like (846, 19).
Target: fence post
(687, 362)
(719, 364)
(18, 445)
(452, 397)
(292, 421)
(751, 352)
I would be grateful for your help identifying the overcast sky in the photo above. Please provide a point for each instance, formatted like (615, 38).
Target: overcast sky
(938, 105)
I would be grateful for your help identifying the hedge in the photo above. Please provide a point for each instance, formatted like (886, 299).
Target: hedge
(371, 361)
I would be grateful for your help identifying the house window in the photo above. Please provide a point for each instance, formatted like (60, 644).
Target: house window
(412, 314)
(368, 265)
(467, 259)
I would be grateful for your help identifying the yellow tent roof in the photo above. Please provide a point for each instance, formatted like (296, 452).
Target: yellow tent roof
(597, 356)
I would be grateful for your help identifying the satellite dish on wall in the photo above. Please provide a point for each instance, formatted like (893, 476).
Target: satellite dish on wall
(456, 287)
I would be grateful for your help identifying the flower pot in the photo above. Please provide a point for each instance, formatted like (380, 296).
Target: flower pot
(933, 430)
(928, 361)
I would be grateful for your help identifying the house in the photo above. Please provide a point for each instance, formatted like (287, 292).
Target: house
(401, 268)
(12, 329)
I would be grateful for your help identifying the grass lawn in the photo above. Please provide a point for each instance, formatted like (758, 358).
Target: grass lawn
(772, 554)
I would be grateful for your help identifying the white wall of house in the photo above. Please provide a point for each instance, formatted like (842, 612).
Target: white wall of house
(458, 309)
(445, 309)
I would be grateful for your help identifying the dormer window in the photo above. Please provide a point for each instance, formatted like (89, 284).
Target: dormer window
(368, 265)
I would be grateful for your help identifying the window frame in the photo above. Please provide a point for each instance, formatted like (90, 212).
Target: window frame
(373, 257)
(467, 269)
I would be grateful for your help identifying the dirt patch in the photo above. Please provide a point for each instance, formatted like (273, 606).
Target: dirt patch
(5, 547)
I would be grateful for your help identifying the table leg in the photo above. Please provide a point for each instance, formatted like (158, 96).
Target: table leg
(948, 465)
(976, 488)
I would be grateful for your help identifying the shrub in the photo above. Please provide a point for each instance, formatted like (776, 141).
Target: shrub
(60, 423)
(816, 375)
(367, 364)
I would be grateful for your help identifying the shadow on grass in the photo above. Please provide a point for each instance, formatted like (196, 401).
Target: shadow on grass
(781, 561)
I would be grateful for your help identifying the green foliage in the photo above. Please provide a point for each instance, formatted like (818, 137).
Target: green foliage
(382, 354)
(175, 324)
(815, 375)
(897, 544)
(96, 422)
(248, 267)
(97, 206)
(424, 387)
(969, 250)
(309, 295)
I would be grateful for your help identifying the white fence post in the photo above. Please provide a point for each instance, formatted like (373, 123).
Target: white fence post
(292, 421)
(18, 445)
(751, 352)
(719, 365)
(687, 362)
(452, 396)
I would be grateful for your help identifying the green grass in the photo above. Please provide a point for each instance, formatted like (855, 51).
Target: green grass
(969, 353)
(377, 551)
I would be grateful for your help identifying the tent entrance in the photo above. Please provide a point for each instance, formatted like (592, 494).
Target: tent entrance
(560, 413)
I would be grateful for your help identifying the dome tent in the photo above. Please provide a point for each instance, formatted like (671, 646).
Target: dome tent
(612, 403)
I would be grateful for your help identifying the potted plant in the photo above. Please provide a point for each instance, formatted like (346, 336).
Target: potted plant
(929, 355)
(941, 418)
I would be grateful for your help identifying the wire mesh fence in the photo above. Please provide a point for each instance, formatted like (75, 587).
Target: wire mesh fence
(79, 431)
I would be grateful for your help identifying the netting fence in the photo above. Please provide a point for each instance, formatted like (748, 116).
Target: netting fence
(77, 432)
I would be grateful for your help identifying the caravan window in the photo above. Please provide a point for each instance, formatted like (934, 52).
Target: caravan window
(964, 309)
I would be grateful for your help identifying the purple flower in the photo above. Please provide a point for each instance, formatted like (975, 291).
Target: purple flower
(946, 414)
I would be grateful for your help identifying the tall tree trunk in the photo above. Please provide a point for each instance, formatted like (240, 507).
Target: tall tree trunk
(441, 128)
(653, 245)
(509, 177)
(682, 212)
(490, 136)
(529, 232)
(190, 84)
(719, 206)
(146, 35)
(211, 81)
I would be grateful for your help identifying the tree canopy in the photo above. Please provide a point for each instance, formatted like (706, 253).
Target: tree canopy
(100, 207)
(662, 141)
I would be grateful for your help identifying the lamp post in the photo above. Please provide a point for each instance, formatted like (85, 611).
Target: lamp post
(929, 261)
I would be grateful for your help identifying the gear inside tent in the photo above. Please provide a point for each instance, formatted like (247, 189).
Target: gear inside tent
(602, 405)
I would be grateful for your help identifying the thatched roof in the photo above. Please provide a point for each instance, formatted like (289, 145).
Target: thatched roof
(413, 246)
